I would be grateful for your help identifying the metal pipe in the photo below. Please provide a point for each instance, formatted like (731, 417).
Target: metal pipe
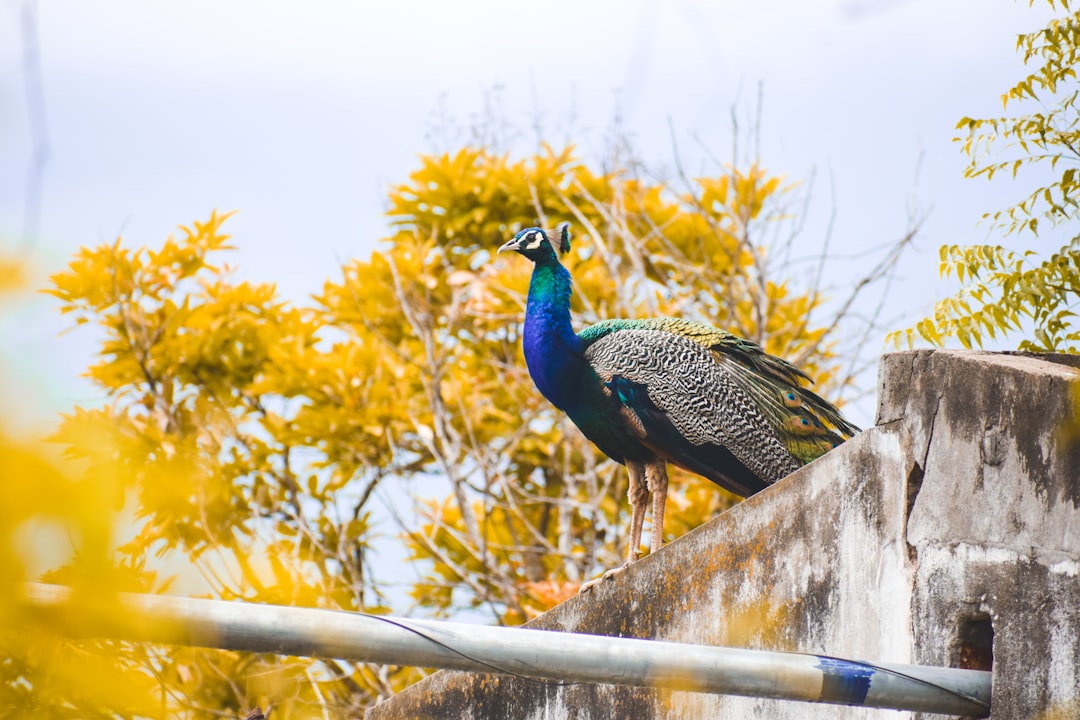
(538, 654)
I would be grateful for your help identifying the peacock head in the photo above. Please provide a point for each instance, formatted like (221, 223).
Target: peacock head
(536, 244)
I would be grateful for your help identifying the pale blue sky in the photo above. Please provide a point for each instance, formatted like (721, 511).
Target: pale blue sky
(300, 114)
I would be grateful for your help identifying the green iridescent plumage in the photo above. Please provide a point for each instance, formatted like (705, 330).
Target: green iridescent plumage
(648, 392)
(808, 425)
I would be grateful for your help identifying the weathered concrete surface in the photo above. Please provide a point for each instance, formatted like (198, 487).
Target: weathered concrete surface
(956, 515)
(995, 526)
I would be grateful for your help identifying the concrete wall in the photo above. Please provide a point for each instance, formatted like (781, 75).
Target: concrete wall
(947, 535)
(995, 526)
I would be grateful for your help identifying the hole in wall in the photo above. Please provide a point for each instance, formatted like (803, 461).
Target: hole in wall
(975, 643)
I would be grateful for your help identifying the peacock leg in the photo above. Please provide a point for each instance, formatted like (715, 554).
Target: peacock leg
(657, 483)
(638, 494)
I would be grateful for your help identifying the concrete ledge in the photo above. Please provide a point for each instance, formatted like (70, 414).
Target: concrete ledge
(950, 531)
(995, 524)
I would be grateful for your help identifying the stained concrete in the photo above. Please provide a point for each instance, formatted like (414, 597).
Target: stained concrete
(995, 527)
(947, 535)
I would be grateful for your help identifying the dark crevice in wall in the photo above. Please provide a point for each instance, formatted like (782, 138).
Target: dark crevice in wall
(913, 486)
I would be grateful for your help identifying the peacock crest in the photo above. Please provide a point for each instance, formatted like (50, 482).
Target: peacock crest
(533, 240)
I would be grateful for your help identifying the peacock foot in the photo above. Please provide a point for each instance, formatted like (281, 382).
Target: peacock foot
(586, 587)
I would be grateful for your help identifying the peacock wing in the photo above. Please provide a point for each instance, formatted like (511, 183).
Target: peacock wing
(808, 425)
(689, 407)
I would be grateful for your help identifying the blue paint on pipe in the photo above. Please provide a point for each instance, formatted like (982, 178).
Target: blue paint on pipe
(844, 682)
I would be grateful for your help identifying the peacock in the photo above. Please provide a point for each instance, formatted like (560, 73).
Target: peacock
(652, 391)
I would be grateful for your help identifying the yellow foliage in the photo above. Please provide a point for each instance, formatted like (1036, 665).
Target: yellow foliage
(42, 674)
(1003, 292)
(250, 435)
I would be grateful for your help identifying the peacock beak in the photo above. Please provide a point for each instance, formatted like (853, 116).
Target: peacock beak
(511, 245)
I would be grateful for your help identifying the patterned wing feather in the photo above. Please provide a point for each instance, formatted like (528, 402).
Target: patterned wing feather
(690, 408)
(808, 425)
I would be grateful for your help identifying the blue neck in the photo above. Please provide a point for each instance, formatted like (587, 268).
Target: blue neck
(552, 349)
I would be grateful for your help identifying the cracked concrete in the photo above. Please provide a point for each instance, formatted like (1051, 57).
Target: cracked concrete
(947, 535)
(996, 526)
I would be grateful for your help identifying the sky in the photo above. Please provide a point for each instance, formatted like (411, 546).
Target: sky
(301, 115)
